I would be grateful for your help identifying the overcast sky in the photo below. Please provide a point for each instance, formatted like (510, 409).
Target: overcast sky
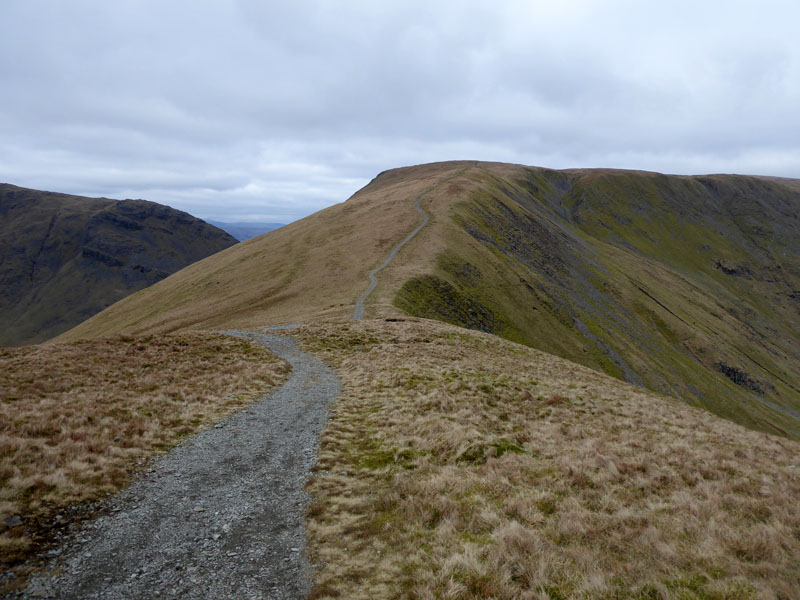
(265, 110)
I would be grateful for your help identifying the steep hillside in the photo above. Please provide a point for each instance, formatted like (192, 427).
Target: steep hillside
(64, 258)
(686, 285)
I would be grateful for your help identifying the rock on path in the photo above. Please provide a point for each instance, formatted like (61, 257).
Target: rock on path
(221, 516)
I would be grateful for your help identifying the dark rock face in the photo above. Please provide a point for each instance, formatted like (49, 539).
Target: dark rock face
(64, 258)
(728, 269)
(739, 377)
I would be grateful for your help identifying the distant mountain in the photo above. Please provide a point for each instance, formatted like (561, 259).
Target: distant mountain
(245, 231)
(64, 258)
(689, 286)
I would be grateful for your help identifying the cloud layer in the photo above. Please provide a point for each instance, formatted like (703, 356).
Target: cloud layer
(246, 109)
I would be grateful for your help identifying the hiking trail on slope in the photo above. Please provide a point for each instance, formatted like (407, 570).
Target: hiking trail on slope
(358, 313)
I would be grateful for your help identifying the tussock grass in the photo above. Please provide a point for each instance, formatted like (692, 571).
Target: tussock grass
(459, 465)
(76, 419)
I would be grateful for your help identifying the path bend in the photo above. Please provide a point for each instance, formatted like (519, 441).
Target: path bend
(220, 516)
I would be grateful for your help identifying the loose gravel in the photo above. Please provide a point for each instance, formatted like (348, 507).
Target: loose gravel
(221, 516)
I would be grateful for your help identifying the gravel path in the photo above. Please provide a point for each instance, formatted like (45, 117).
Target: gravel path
(221, 516)
(358, 314)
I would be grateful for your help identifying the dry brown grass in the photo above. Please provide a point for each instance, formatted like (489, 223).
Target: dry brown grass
(76, 419)
(459, 465)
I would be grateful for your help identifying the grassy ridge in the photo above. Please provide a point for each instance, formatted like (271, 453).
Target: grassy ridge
(685, 285)
(313, 268)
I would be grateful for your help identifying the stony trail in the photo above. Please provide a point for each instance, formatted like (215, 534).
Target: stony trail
(358, 312)
(221, 516)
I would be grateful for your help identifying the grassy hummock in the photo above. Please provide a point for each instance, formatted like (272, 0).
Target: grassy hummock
(460, 465)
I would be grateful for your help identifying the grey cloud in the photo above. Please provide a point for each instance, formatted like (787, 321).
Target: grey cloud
(263, 109)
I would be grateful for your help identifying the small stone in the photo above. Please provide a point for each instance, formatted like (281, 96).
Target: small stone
(13, 520)
(199, 509)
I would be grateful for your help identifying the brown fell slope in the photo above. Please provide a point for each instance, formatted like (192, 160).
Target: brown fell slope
(312, 268)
